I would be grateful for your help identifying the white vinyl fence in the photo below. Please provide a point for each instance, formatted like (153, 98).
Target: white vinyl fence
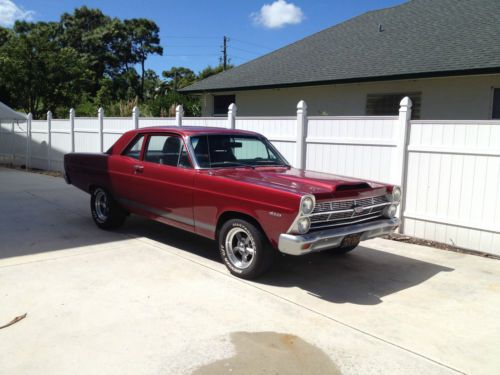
(449, 170)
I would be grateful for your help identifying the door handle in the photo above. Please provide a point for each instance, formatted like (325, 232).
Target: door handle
(138, 168)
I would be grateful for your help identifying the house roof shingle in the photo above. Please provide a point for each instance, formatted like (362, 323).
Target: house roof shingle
(418, 38)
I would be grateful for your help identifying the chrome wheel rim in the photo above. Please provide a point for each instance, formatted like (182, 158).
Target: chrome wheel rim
(240, 248)
(101, 206)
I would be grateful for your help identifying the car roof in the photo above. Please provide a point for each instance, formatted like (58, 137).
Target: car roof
(193, 130)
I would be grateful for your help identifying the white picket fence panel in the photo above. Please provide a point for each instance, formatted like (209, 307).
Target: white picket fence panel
(449, 170)
(453, 183)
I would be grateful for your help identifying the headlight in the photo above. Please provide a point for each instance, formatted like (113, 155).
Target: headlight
(307, 204)
(303, 225)
(396, 194)
(390, 211)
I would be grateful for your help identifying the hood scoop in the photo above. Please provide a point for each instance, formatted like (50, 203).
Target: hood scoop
(348, 187)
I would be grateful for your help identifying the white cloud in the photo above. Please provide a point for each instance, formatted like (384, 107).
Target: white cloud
(10, 12)
(278, 14)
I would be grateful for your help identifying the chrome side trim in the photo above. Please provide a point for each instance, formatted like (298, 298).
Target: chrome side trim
(332, 238)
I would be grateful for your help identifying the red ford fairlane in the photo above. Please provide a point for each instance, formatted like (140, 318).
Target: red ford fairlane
(232, 186)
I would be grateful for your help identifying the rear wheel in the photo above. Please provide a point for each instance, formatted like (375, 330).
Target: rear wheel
(244, 249)
(106, 212)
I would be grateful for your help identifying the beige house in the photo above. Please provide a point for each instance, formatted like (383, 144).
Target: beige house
(444, 54)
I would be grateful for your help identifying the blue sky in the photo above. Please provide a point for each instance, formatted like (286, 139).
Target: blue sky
(191, 30)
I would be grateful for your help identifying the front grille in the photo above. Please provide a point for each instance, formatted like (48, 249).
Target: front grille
(336, 213)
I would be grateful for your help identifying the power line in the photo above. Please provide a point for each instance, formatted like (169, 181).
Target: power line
(245, 50)
(188, 55)
(252, 43)
(191, 37)
(191, 45)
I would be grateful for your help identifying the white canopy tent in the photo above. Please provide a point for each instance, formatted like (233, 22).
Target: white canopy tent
(7, 114)
(7, 134)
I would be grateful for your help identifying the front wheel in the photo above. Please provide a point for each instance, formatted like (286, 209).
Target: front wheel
(106, 212)
(244, 249)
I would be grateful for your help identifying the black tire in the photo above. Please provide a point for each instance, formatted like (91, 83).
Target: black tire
(342, 250)
(248, 261)
(106, 212)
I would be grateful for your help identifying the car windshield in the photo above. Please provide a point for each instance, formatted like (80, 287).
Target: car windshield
(225, 150)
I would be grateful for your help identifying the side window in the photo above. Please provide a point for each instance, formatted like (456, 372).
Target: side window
(134, 149)
(167, 150)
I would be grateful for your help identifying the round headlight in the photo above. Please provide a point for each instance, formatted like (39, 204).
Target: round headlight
(303, 225)
(390, 211)
(307, 205)
(396, 194)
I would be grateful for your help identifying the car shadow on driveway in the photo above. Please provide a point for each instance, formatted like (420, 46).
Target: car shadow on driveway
(362, 277)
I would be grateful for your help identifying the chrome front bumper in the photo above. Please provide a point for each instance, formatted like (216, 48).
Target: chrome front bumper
(330, 238)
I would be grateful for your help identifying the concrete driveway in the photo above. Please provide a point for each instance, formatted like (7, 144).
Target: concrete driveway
(150, 299)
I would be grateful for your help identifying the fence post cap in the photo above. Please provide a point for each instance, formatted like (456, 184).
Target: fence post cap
(71, 111)
(30, 116)
(135, 110)
(49, 114)
(302, 105)
(406, 102)
(232, 107)
(179, 107)
(100, 111)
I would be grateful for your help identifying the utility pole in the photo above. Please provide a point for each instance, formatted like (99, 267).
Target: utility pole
(224, 52)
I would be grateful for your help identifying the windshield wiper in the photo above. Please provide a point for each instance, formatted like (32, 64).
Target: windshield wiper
(235, 163)
(272, 163)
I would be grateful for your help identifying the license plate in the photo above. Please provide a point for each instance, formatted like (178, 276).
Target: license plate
(351, 240)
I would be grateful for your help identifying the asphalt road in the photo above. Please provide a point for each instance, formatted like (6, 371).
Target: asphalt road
(149, 299)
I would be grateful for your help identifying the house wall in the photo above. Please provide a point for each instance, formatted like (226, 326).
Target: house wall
(467, 97)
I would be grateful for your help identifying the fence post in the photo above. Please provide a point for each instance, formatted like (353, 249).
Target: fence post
(402, 150)
(179, 114)
(135, 117)
(49, 140)
(300, 153)
(29, 118)
(231, 116)
(100, 116)
(72, 128)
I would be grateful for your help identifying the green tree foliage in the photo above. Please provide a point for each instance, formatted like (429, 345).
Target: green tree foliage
(145, 41)
(88, 60)
(209, 71)
(37, 72)
(178, 78)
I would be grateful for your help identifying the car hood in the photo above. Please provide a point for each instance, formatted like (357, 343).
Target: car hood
(301, 181)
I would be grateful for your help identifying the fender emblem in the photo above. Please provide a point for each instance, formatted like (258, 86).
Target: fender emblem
(276, 214)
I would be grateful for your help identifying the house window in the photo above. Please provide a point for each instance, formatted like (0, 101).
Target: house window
(222, 102)
(495, 114)
(388, 104)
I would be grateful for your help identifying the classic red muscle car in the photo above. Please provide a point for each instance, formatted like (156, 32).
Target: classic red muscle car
(235, 187)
